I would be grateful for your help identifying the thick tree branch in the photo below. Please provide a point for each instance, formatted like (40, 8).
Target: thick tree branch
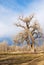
(27, 25)
(34, 33)
(19, 25)
(30, 27)
(34, 27)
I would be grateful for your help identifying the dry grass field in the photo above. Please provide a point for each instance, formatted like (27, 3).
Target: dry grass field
(21, 58)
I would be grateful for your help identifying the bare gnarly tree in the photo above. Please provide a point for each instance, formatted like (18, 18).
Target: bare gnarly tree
(35, 29)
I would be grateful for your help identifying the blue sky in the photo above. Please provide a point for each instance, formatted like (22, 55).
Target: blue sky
(11, 9)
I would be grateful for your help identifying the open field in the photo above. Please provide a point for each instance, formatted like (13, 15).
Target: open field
(21, 58)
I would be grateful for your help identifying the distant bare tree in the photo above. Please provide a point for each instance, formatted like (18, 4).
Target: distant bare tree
(3, 46)
(28, 34)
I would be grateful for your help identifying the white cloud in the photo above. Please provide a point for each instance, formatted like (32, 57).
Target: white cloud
(8, 17)
(3, 29)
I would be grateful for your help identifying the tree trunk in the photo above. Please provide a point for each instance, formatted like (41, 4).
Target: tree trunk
(32, 47)
(29, 34)
(28, 41)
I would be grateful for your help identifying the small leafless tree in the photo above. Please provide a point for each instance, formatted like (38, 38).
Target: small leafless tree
(29, 31)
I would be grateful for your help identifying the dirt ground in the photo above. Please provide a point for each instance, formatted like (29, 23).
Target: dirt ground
(22, 59)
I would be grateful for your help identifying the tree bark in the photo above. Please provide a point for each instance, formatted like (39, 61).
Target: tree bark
(30, 34)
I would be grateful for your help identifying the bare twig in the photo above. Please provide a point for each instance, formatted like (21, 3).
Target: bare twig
(27, 19)
(19, 25)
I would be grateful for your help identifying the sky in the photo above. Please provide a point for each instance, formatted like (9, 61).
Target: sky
(11, 9)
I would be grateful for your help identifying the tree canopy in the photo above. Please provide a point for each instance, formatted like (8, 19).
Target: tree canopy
(30, 32)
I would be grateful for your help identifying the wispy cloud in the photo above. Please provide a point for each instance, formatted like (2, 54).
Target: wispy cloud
(7, 19)
(11, 9)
